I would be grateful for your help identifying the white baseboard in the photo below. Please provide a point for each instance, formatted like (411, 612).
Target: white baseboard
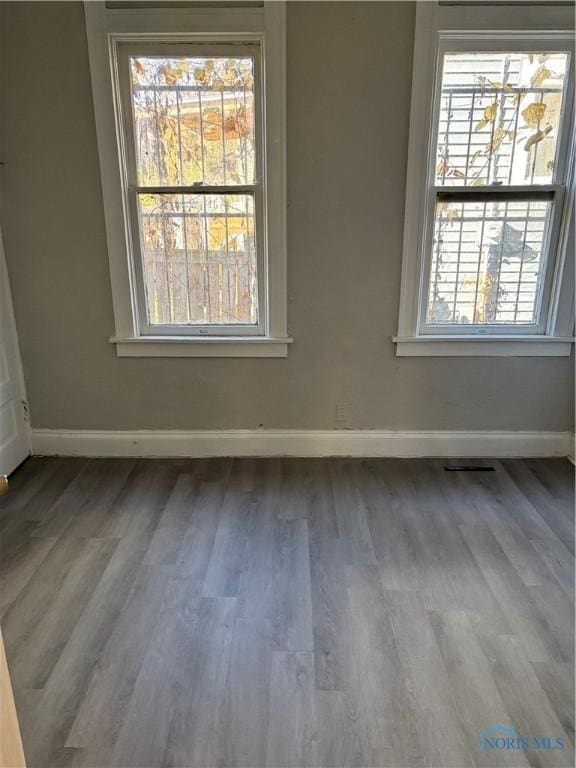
(205, 443)
(571, 455)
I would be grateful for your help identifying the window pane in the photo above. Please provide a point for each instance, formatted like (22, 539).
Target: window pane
(193, 120)
(499, 117)
(487, 262)
(199, 259)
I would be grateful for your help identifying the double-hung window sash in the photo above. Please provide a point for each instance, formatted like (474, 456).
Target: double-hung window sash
(191, 115)
(497, 180)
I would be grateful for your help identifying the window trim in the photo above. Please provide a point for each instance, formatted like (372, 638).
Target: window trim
(436, 26)
(106, 28)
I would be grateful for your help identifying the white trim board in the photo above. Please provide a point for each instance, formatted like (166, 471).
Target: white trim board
(207, 443)
(572, 449)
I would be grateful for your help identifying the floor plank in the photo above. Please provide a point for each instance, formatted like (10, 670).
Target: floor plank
(292, 719)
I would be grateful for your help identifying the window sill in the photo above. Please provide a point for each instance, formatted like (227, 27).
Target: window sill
(483, 346)
(213, 346)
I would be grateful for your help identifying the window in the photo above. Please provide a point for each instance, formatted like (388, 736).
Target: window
(191, 122)
(486, 263)
(198, 265)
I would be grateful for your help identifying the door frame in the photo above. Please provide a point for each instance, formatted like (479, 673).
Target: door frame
(12, 339)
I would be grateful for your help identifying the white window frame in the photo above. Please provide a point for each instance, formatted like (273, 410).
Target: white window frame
(442, 27)
(111, 33)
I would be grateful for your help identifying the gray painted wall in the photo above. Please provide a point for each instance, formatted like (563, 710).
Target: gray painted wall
(346, 174)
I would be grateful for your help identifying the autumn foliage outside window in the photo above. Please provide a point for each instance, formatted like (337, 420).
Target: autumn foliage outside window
(499, 121)
(194, 131)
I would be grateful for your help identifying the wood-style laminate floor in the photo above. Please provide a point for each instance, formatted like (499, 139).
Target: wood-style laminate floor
(289, 612)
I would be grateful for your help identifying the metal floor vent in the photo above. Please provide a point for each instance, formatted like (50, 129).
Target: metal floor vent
(466, 468)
